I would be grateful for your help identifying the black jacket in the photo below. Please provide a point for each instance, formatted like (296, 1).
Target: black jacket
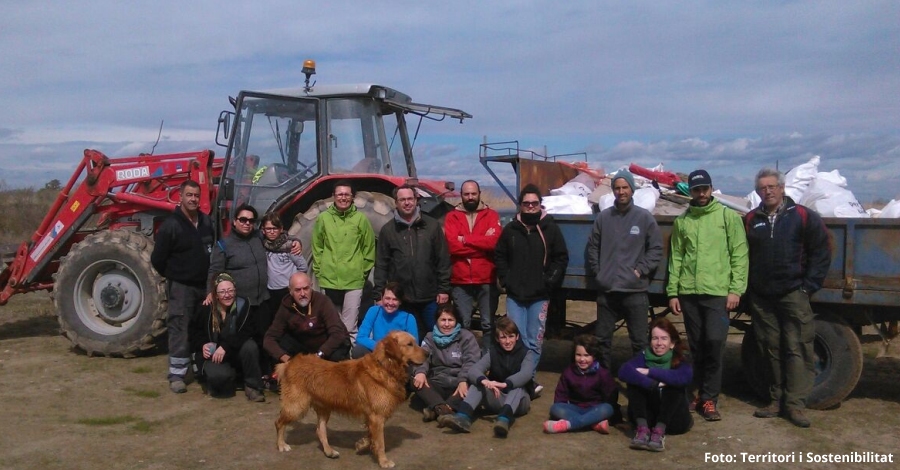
(416, 256)
(531, 261)
(234, 331)
(793, 253)
(181, 251)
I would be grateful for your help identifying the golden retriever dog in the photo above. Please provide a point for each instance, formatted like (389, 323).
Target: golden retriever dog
(370, 388)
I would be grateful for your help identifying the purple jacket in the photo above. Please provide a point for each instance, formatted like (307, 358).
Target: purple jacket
(677, 377)
(585, 389)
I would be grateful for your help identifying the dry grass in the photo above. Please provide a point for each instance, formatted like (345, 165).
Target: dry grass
(25, 210)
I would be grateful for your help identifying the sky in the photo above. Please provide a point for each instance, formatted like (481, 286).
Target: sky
(729, 86)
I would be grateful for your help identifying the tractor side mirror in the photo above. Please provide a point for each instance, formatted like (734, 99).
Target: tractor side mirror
(224, 128)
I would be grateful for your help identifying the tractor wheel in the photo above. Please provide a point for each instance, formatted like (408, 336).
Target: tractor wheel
(377, 207)
(110, 300)
(838, 363)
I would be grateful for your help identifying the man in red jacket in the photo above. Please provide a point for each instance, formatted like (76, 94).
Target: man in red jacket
(472, 231)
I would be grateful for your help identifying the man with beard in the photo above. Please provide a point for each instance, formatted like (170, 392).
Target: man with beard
(412, 250)
(707, 275)
(624, 249)
(343, 250)
(306, 323)
(181, 252)
(472, 231)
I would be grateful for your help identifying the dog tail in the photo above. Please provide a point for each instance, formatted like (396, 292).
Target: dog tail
(279, 371)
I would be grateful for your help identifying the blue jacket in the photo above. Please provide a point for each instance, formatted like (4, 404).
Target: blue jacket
(378, 323)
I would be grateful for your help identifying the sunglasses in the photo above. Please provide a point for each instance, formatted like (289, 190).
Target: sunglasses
(531, 203)
(246, 220)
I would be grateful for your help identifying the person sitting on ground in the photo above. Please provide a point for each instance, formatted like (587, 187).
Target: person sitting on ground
(382, 319)
(306, 323)
(586, 393)
(510, 366)
(222, 335)
(441, 381)
(658, 381)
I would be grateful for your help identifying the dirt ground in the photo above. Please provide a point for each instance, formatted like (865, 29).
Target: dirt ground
(60, 409)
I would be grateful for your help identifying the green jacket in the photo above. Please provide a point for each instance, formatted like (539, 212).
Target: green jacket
(708, 252)
(343, 249)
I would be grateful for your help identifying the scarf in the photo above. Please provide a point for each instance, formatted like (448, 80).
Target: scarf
(658, 362)
(276, 245)
(592, 369)
(441, 340)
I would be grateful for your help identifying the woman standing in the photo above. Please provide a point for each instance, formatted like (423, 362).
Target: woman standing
(441, 381)
(223, 337)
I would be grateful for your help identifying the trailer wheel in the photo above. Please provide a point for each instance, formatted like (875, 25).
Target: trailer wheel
(838, 363)
(110, 300)
(377, 207)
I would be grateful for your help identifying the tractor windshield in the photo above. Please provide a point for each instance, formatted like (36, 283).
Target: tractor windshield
(274, 148)
(364, 136)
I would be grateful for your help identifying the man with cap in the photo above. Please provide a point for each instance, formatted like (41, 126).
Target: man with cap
(624, 249)
(789, 259)
(708, 265)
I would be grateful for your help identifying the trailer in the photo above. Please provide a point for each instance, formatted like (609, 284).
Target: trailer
(862, 287)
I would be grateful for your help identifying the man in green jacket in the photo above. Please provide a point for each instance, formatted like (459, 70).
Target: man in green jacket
(343, 250)
(708, 264)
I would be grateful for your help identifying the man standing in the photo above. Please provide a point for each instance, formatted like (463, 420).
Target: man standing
(412, 250)
(707, 276)
(789, 258)
(306, 323)
(472, 231)
(181, 252)
(343, 250)
(624, 249)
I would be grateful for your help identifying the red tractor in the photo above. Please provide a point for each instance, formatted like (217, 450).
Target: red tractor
(284, 150)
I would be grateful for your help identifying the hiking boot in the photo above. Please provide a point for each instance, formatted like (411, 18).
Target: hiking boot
(641, 439)
(797, 418)
(538, 389)
(428, 415)
(177, 386)
(254, 395)
(708, 411)
(602, 427)
(770, 411)
(657, 441)
(457, 421)
(556, 427)
(501, 427)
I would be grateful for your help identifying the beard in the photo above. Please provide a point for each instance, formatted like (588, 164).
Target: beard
(471, 205)
(303, 303)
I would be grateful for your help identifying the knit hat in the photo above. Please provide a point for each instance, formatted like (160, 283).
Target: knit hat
(625, 175)
(699, 178)
(530, 189)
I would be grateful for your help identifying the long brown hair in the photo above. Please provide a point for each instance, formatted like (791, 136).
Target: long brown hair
(664, 324)
(216, 305)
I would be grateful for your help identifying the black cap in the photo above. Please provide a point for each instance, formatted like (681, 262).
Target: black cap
(699, 178)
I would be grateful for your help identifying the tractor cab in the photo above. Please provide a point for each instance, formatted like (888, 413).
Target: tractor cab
(281, 142)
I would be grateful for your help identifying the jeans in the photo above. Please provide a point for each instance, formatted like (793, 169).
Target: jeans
(531, 318)
(786, 330)
(611, 306)
(425, 315)
(706, 322)
(467, 297)
(578, 417)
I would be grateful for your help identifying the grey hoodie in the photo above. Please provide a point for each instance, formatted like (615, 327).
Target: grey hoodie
(621, 242)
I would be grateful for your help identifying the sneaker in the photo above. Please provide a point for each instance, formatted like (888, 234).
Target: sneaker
(602, 427)
(177, 386)
(797, 418)
(538, 388)
(657, 441)
(254, 395)
(641, 439)
(456, 421)
(428, 415)
(708, 411)
(770, 411)
(556, 427)
(501, 427)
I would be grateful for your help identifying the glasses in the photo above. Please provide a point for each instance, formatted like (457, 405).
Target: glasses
(767, 189)
(226, 292)
(246, 220)
(343, 196)
(531, 203)
(406, 199)
(271, 229)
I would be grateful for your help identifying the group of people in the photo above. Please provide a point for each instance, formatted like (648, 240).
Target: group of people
(252, 289)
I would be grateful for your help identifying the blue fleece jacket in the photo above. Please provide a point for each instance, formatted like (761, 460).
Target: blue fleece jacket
(378, 323)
